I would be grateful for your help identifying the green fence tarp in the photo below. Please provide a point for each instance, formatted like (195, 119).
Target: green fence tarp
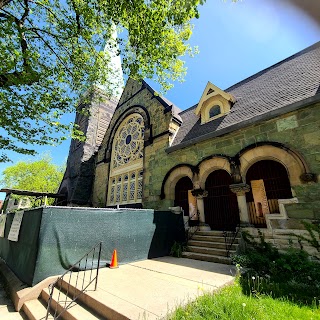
(21, 256)
(53, 238)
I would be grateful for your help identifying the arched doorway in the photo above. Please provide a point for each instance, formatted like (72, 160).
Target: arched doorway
(220, 206)
(181, 194)
(276, 185)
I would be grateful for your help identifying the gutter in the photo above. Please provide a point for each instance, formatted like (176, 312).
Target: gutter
(264, 117)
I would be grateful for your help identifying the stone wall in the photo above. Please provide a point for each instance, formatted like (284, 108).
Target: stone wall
(297, 130)
(79, 175)
(135, 96)
(99, 194)
(284, 239)
(140, 96)
(155, 168)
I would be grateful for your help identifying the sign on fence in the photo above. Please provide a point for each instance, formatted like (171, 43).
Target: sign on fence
(3, 218)
(15, 226)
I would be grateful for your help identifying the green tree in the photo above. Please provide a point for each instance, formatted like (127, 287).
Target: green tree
(50, 54)
(38, 175)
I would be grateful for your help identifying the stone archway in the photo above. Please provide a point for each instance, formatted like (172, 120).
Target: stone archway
(208, 166)
(293, 164)
(269, 182)
(171, 181)
(220, 205)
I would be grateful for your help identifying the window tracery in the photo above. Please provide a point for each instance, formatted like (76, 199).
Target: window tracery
(126, 172)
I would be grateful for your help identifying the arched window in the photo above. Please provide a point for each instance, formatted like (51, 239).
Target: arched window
(214, 111)
(181, 194)
(272, 184)
(126, 167)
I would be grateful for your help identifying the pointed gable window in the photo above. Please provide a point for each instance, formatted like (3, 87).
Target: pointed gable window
(214, 103)
(214, 111)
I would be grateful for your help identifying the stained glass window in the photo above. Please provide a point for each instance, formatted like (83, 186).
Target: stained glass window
(129, 141)
(126, 171)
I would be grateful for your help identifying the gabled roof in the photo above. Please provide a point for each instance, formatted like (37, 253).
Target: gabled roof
(211, 91)
(167, 104)
(281, 88)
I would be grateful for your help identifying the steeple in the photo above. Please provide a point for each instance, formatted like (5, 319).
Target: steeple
(111, 48)
(103, 100)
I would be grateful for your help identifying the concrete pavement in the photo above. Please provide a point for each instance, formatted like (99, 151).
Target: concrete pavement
(152, 289)
(7, 311)
(148, 289)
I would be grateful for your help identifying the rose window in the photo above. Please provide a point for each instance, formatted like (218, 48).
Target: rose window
(126, 172)
(129, 141)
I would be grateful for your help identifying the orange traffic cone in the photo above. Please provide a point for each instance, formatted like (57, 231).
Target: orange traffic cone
(114, 260)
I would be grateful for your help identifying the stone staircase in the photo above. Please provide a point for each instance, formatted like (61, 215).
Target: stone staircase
(84, 307)
(210, 246)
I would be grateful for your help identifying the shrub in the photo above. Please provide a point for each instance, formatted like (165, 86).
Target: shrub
(288, 274)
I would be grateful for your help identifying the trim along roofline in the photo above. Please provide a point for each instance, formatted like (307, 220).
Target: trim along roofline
(263, 117)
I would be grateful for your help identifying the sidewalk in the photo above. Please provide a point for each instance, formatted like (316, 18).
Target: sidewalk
(7, 311)
(143, 290)
(151, 289)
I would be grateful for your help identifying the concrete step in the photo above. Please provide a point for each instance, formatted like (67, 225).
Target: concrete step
(209, 244)
(208, 238)
(210, 233)
(212, 238)
(206, 257)
(75, 310)
(104, 309)
(35, 310)
(211, 251)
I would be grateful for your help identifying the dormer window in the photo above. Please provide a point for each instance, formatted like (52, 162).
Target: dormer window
(214, 111)
(214, 103)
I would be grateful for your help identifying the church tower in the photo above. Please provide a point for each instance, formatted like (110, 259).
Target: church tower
(94, 113)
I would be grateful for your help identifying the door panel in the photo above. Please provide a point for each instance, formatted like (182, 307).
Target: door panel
(276, 183)
(220, 206)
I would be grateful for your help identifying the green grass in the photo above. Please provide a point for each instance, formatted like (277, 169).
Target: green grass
(231, 304)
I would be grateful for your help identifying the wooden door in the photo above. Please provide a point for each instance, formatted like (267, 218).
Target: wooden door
(220, 206)
(276, 183)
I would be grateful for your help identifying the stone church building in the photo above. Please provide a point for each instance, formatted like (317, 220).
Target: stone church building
(247, 155)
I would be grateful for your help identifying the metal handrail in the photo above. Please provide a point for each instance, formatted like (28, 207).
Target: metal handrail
(230, 237)
(89, 256)
(189, 234)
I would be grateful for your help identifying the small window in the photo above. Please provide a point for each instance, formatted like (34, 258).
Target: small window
(214, 111)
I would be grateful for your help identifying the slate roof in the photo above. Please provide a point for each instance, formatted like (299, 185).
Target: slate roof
(267, 92)
(169, 106)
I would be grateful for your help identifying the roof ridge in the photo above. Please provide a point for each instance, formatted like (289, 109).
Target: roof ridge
(158, 96)
(297, 54)
(188, 109)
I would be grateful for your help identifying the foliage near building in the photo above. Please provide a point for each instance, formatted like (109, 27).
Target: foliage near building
(50, 53)
(39, 175)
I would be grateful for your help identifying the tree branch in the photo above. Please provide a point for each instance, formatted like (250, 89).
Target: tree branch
(77, 15)
(4, 3)
(19, 77)
(28, 76)
(53, 51)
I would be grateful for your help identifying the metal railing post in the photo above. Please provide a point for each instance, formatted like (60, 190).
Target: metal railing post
(99, 255)
(76, 267)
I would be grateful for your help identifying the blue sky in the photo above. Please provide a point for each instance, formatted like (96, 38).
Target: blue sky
(236, 40)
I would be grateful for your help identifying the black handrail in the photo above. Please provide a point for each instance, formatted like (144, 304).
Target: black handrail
(189, 234)
(230, 237)
(87, 258)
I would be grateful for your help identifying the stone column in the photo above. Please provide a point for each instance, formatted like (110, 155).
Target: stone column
(200, 194)
(240, 190)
